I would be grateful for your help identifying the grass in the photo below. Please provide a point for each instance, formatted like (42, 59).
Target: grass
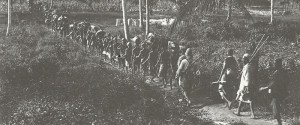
(238, 123)
(46, 79)
(31, 98)
(210, 42)
(295, 121)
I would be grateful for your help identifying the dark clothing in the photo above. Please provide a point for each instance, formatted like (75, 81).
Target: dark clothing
(164, 61)
(143, 56)
(152, 59)
(276, 108)
(165, 58)
(120, 53)
(115, 49)
(279, 84)
(174, 59)
(121, 50)
(153, 56)
(135, 53)
(230, 68)
(135, 60)
(231, 63)
(128, 55)
(229, 74)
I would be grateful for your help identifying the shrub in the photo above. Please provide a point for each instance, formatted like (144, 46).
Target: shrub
(238, 123)
(52, 80)
(295, 121)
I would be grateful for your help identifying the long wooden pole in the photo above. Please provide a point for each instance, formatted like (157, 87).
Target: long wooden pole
(8, 17)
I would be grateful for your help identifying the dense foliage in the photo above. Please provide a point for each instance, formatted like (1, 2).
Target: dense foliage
(46, 79)
(211, 39)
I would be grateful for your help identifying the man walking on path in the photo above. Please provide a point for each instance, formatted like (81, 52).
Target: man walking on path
(228, 78)
(183, 74)
(128, 56)
(142, 57)
(278, 89)
(245, 92)
(135, 52)
(164, 64)
(121, 50)
(174, 58)
(151, 61)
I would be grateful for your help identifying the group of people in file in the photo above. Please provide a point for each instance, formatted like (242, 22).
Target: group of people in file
(249, 88)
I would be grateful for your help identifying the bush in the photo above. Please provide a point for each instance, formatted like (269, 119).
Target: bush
(238, 123)
(295, 121)
(211, 40)
(52, 80)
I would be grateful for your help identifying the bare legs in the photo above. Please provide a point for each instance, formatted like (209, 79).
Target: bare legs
(228, 103)
(251, 109)
(186, 94)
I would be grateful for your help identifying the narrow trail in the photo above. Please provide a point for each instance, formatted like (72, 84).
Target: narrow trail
(214, 111)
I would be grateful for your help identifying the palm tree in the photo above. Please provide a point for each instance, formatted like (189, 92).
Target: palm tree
(141, 13)
(51, 5)
(125, 19)
(147, 18)
(272, 11)
(229, 10)
(9, 17)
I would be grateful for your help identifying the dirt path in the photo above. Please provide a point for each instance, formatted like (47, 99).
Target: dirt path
(212, 110)
(215, 111)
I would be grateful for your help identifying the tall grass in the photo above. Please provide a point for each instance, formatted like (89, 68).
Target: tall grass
(211, 40)
(46, 79)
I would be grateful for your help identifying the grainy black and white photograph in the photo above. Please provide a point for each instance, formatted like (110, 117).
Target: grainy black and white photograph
(149, 62)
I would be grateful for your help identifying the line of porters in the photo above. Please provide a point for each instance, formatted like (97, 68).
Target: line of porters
(133, 55)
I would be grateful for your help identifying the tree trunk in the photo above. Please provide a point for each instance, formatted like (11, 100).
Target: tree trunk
(229, 10)
(30, 5)
(125, 23)
(51, 5)
(8, 17)
(141, 14)
(147, 18)
(272, 11)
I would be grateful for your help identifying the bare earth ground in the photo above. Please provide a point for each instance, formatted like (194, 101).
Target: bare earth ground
(214, 111)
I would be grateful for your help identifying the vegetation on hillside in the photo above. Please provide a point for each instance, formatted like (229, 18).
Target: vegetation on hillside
(46, 79)
(211, 40)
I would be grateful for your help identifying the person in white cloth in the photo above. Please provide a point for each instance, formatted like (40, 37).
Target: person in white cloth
(245, 92)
